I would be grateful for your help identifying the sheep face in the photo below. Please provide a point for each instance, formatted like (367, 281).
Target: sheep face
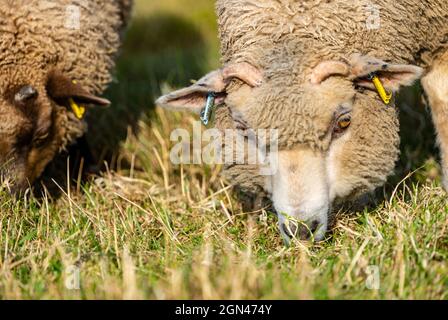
(334, 139)
(346, 143)
(35, 123)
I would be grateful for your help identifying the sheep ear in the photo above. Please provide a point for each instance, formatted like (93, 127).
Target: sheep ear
(392, 76)
(193, 98)
(326, 69)
(60, 87)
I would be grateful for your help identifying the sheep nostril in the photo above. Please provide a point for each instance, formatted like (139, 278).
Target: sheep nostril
(299, 230)
(314, 225)
(307, 231)
(290, 229)
(304, 233)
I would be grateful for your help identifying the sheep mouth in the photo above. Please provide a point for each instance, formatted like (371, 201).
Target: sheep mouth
(313, 230)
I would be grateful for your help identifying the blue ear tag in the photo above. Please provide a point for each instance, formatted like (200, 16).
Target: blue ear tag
(208, 109)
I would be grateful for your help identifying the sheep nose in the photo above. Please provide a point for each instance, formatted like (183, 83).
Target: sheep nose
(299, 230)
(25, 94)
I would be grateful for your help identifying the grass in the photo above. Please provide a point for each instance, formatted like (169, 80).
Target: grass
(148, 229)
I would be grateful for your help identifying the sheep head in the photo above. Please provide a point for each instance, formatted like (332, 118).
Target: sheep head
(35, 122)
(336, 137)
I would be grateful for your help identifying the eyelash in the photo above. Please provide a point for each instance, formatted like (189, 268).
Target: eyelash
(342, 124)
(40, 141)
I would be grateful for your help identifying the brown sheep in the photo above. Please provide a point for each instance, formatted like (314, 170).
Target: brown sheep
(55, 56)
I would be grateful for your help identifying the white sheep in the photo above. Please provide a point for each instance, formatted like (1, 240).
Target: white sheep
(322, 74)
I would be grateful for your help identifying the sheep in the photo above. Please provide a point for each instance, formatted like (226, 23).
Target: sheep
(55, 57)
(322, 73)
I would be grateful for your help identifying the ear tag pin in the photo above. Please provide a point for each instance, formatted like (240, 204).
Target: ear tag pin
(386, 97)
(78, 110)
(208, 109)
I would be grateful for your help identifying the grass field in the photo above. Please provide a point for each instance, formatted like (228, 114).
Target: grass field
(148, 229)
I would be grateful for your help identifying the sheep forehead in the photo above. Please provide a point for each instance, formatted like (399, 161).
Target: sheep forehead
(301, 114)
(13, 76)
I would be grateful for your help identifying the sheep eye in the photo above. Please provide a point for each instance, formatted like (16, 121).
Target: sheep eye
(342, 124)
(40, 141)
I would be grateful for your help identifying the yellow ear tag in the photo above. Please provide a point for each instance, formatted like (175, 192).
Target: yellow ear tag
(386, 97)
(78, 110)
